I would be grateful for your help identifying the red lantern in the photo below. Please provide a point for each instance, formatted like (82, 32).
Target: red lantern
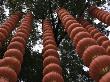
(2, 37)
(8, 73)
(19, 39)
(90, 29)
(97, 35)
(52, 68)
(100, 16)
(49, 41)
(106, 44)
(11, 62)
(107, 19)
(48, 38)
(71, 27)
(4, 31)
(105, 78)
(104, 17)
(9, 25)
(48, 31)
(108, 50)
(14, 53)
(99, 67)
(50, 46)
(23, 30)
(16, 45)
(21, 34)
(92, 52)
(53, 77)
(6, 27)
(3, 79)
(47, 34)
(67, 18)
(80, 36)
(63, 14)
(69, 22)
(75, 31)
(101, 39)
(84, 44)
(93, 32)
(50, 52)
(88, 26)
(50, 59)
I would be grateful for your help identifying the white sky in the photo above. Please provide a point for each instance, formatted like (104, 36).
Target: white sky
(6, 11)
(39, 47)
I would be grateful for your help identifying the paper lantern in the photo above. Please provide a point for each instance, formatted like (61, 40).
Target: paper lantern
(80, 36)
(49, 41)
(84, 44)
(2, 37)
(4, 31)
(88, 26)
(50, 59)
(97, 35)
(21, 34)
(101, 39)
(50, 52)
(72, 26)
(75, 31)
(11, 62)
(90, 29)
(8, 73)
(53, 77)
(50, 46)
(92, 52)
(69, 22)
(48, 38)
(52, 68)
(93, 32)
(16, 45)
(14, 53)
(99, 67)
(19, 39)
(106, 44)
(105, 78)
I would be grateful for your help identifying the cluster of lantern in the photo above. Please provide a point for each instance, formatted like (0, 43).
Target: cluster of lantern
(10, 65)
(52, 71)
(8, 26)
(104, 42)
(91, 45)
(100, 14)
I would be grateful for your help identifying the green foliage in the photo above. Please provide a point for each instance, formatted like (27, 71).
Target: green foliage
(40, 8)
(72, 65)
(31, 68)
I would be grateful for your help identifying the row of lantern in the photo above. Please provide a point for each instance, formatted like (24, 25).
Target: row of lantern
(10, 65)
(9, 25)
(86, 41)
(52, 71)
(104, 42)
(100, 14)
